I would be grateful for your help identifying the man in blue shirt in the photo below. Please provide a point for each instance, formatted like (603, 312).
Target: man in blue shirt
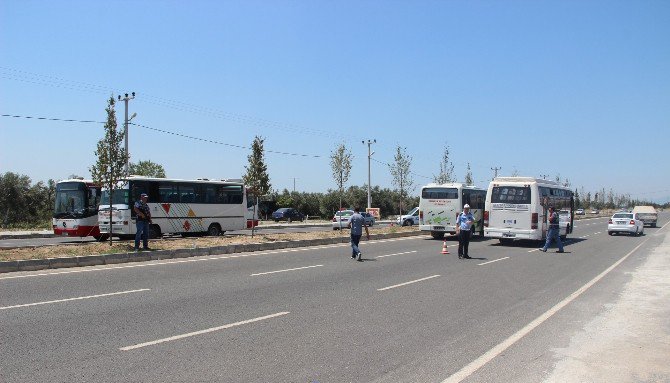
(464, 224)
(143, 219)
(554, 231)
(357, 223)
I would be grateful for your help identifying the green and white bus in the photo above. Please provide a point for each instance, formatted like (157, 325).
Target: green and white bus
(440, 205)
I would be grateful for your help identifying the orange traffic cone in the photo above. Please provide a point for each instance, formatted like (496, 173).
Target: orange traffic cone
(444, 247)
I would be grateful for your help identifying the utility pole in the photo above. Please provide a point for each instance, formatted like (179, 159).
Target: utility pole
(370, 142)
(125, 126)
(495, 172)
(294, 184)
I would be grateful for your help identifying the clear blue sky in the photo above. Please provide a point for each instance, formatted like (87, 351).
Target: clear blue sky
(579, 89)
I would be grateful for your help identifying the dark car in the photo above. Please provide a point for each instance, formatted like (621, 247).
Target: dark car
(287, 214)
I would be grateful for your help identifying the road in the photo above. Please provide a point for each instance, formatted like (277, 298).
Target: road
(405, 314)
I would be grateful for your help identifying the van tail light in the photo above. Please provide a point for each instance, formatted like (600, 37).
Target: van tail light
(610, 221)
(533, 220)
(334, 219)
(632, 222)
(486, 218)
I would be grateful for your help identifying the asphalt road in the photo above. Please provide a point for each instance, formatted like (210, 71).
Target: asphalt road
(405, 314)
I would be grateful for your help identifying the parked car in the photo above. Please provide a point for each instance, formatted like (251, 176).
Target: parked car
(579, 212)
(625, 223)
(287, 214)
(595, 211)
(409, 219)
(369, 218)
(341, 219)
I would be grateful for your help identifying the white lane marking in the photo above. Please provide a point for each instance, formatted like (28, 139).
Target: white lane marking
(74, 299)
(190, 334)
(408, 283)
(196, 259)
(530, 251)
(495, 260)
(285, 270)
(390, 255)
(473, 366)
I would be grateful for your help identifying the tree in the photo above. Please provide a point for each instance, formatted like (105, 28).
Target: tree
(340, 163)
(257, 179)
(147, 169)
(111, 158)
(468, 176)
(446, 169)
(402, 178)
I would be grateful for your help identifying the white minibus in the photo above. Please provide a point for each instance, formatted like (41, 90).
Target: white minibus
(516, 208)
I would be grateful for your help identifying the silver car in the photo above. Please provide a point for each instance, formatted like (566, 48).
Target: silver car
(341, 219)
(625, 223)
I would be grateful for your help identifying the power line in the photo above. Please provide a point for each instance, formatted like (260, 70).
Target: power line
(165, 132)
(53, 81)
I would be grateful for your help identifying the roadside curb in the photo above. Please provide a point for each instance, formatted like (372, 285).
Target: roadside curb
(116, 258)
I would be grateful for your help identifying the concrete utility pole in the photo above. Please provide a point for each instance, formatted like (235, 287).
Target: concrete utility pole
(495, 172)
(125, 126)
(370, 142)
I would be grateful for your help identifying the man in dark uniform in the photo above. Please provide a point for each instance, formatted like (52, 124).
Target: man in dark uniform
(143, 219)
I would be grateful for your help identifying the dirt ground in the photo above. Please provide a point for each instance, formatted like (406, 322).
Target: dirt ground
(95, 248)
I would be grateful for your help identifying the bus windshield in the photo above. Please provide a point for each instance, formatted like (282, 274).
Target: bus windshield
(511, 194)
(439, 193)
(71, 199)
(120, 196)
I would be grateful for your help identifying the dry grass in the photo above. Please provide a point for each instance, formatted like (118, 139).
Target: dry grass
(95, 248)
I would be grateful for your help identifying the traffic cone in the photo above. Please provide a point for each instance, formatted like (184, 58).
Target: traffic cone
(444, 247)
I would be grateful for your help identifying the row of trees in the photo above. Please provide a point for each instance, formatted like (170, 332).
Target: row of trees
(24, 204)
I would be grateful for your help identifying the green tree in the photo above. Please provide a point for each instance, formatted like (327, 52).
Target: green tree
(468, 176)
(340, 163)
(147, 169)
(402, 177)
(108, 170)
(446, 169)
(256, 178)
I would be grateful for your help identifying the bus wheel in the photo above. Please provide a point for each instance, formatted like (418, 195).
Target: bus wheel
(437, 234)
(154, 231)
(214, 230)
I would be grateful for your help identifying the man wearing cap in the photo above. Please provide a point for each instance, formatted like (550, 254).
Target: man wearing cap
(464, 224)
(143, 219)
(554, 231)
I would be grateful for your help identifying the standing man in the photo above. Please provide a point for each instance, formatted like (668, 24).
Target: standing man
(464, 231)
(554, 232)
(357, 223)
(143, 219)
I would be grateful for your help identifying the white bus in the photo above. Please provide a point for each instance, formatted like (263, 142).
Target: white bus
(516, 208)
(76, 208)
(440, 205)
(177, 207)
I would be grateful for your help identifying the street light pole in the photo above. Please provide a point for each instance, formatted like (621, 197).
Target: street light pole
(125, 127)
(370, 142)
